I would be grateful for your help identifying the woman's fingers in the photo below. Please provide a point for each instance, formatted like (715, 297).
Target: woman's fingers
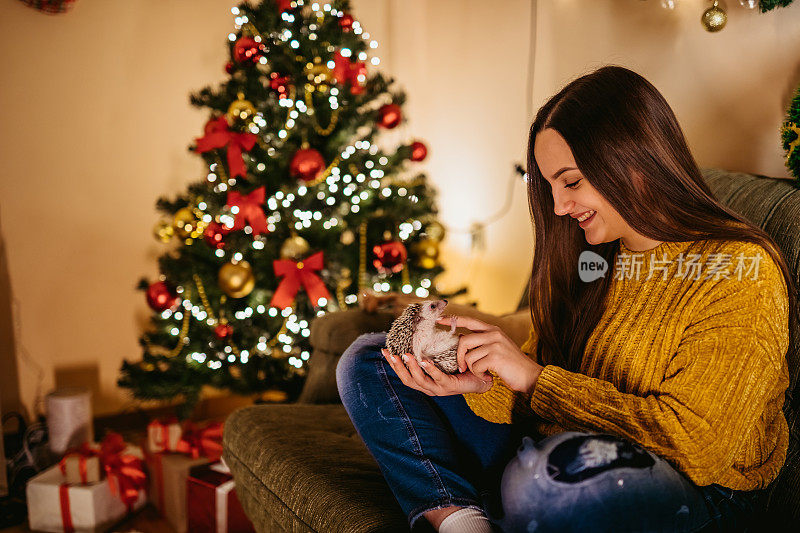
(433, 371)
(477, 361)
(468, 322)
(403, 373)
(398, 367)
(416, 372)
(470, 341)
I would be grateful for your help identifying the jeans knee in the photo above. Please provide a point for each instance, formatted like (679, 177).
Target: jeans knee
(357, 361)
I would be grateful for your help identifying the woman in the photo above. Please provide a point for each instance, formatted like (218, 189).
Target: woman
(653, 390)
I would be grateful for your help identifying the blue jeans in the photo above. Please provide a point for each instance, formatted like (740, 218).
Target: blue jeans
(434, 452)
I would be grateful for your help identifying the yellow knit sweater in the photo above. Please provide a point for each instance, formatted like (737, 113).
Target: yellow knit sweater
(689, 364)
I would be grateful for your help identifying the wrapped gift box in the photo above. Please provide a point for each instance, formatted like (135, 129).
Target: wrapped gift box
(163, 435)
(79, 469)
(167, 473)
(54, 505)
(212, 501)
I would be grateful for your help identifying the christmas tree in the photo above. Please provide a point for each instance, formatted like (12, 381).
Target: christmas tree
(769, 5)
(790, 137)
(299, 208)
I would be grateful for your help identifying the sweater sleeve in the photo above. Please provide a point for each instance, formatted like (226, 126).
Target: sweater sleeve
(500, 404)
(729, 364)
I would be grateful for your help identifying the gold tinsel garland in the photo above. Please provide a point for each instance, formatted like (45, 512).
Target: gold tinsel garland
(362, 255)
(317, 127)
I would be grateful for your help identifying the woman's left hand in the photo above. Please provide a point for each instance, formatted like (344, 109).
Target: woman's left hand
(489, 348)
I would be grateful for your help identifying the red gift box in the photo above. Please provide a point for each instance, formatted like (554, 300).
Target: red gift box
(212, 502)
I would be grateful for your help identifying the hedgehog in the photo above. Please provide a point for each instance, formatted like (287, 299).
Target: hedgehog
(414, 331)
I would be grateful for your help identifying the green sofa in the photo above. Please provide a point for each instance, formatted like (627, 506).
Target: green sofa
(302, 467)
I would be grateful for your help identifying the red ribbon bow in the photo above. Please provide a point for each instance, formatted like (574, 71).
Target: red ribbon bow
(344, 70)
(218, 135)
(203, 441)
(83, 452)
(125, 472)
(295, 274)
(250, 210)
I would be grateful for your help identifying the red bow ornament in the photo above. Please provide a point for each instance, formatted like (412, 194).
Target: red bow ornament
(355, 72)
(203, 441)
(218, 135)
(250, 211)
(296, 274)
(125, 472)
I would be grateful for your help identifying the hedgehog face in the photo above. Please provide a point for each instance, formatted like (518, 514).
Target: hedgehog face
(432, 309)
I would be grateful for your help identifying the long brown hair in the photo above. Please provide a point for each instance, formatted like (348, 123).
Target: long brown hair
(627, 142)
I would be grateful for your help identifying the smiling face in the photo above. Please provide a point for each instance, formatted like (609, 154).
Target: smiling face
(574, 196)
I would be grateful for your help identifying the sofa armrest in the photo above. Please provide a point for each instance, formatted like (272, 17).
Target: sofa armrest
(331, 334)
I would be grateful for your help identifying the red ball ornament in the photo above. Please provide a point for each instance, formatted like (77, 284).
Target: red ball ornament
(390, 257)
(389, 116)
(223, 331)
(247, 50)
(161, 297)
(418, 151)
(307, 164)
(230, 67)
(280, 84)
(346, 22)
(214, 235)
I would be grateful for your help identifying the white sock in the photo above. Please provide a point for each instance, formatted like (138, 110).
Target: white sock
(466, 520)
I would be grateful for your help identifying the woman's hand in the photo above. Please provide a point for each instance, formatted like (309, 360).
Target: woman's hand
(393, 302)
(489, 348)
(432, 381)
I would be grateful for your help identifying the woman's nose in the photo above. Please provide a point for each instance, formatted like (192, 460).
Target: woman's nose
(561, 205)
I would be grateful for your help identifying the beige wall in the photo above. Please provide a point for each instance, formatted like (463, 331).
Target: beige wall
(97, 121)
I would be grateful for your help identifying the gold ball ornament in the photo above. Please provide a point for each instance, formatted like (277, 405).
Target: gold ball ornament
(714, 18)
(241, 109)
(184, 222)
(163, 230)
(236, 279)
(427, 253)
(387, 235)
(435, 231)
(347, 237)
(294, 248)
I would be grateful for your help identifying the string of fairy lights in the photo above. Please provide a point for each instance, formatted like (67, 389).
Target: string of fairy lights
(341, 174)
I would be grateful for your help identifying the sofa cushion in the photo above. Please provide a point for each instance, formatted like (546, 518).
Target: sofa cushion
(305, 468)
